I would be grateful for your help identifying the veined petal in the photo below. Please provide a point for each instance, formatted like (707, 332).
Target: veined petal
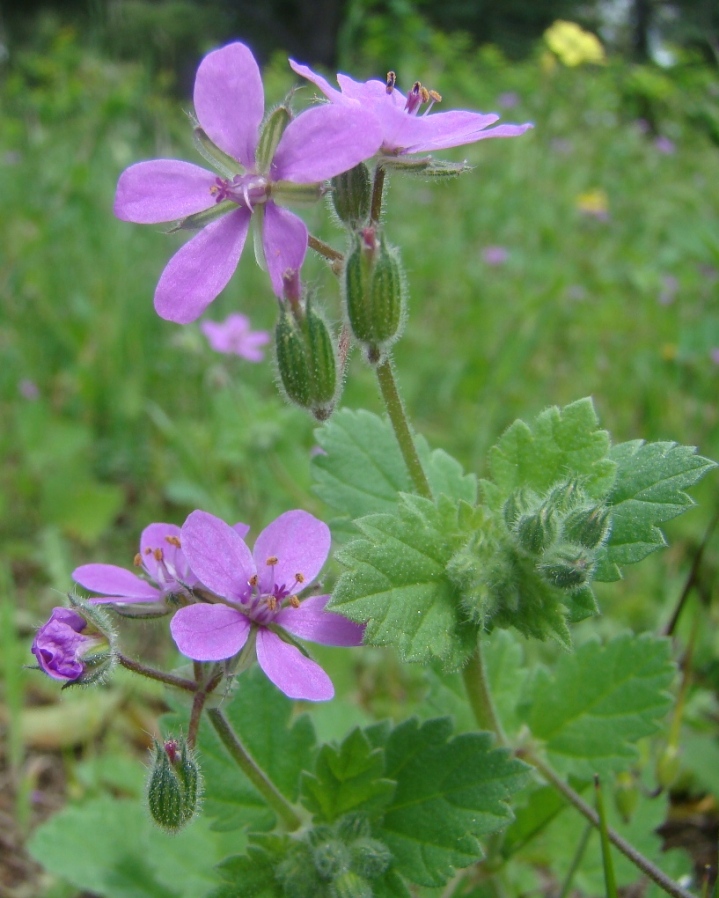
(162, 190)
(284, 241)
(310, 621)
(115, 584)
(371, 92)
(209, 632)
(172, 563)
(306, 72)
(230, 101)
(325, 141)
(200, 270)
(292, 672)
(300, 542)
(218, 555)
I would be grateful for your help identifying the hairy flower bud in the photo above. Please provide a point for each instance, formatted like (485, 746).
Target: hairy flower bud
(564, 496)
(307, 360)
(519, 502)
(331, 858)
(351, 195)
(370, 857)
(76, 645)
(350, 885)
(537, 531)
(568, 566)
(374, 293)
(587, 525)
(174, 785)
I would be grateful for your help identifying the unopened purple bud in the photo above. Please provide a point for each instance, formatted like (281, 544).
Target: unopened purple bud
(69, 649)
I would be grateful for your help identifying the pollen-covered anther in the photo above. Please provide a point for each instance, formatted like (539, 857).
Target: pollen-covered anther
(272, 603)
(391, 81)
(272, 560)
(253, 581)
(158, 554)
(173, 541)
(295, 602)
(434, 96)
(299, 578)
(137, 560)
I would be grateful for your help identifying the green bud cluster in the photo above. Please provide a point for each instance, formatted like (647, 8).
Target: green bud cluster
(174, 785)
(307, 360)
(339, 861)
(374, 289)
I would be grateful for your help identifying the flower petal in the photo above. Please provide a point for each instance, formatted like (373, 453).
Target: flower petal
(162, 190)
(200, 270)
(310, 621)
(115, 583)
(218, 555)
(300, 543)
(306, 72)
(230, 101)
(325, 141)
(292, 672)
(209, 632)
(174, 567)
(284, 240)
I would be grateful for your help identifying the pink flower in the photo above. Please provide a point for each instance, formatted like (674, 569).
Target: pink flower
(495, 255)
(233, 336)
(257, 594)
(403, 129)
(229, 102)
(60, 644)
(665, 145)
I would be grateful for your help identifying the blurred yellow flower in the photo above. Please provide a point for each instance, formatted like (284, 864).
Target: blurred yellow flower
(572, 44)
(594, 202)
(669, 352)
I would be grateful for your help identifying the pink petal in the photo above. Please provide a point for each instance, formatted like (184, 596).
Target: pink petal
(370, 92)
(230, 101)
(306, 72)
(115, 583)
(162, 190)
(218, 555)
(154, 537)
(300, 543)
(209, 632)
(241, 529)
(310, 621)
(284, 239)
(200, 270)
(292, 672)
(325, 141)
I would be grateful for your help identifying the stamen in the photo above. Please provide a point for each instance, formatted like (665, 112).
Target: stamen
(294, 601)
(137, 560)
(173, 541)
(272, 560)
(253, 580)
(300, 578)
(148, 551)
(272, 603)
(158, 554)
(391, 81)
(434, 96)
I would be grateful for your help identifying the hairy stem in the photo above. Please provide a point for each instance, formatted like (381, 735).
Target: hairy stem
(324, 249)
(480, 697)
(398, 418)
(252, 771)
(152, 674)
(645, 865)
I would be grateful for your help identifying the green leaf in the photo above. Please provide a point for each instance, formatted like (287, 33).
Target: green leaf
(363, 470)
(250, 875)
(648, 490)
(347, 778)
(450, 793)
(396, 581)
(110, 847)
(560, 443)
(260, 715)
(599, 701)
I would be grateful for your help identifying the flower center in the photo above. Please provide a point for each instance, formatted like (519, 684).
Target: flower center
(266, 601)
(417, 97)
(246, 190)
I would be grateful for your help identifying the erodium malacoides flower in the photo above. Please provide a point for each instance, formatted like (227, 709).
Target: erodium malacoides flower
(404, 130)
(259, 168)
(253, 596)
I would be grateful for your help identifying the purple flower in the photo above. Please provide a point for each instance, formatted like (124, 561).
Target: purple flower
(495, 255)
(714, 355)
(670, 288)
(60, 644)
(403, 130)
(160, 557)
(28, 389)
(234, 336)
(258, 592)
(665, 145)
(508, 100)
(229, 102)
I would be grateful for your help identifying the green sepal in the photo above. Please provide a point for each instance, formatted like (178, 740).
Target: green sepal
(226, 165)
(351, 195)
(425, 166)
(199, 220)
(174, 784)
(290, 192)
(271, 133)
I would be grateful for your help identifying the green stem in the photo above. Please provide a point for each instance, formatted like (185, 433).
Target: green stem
(480, 697)
(152, 674)
(254, 774)
(398, 418)
(629, 851)
(576, 861)
(377, 194)
(324, 249)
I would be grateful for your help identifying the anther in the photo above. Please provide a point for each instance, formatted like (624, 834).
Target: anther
(300, 578)
(272, 603)
(434, 96)
(137, 560)
(158, 554)
(391, 81)
(253, 580)
(173, 541)
(294, 601)
(148, 551)
(272, 560)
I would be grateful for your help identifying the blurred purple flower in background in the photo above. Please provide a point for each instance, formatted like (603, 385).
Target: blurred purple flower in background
(28, 389)
(234, 336)
(508, 100)
(665, 145)
(495, 255)
(670, 286)
(714, 355)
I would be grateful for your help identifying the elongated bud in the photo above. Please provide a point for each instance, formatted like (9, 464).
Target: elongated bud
(174, 784)
(350, 885)
(271, 132)
(331, 858)
(537, 531)
(374, 294)
(563, 496)
(307, 360)
(520, 502)
(588, 525)
(568, 566)
(668, 766)
(370, 857)
(626, 795)
(351, 195)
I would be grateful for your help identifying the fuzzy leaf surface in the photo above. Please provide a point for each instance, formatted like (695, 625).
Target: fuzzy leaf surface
(599, 701)
(450, 793)
(251, 875)
(347, 778)
(396, 581)
(648, 490)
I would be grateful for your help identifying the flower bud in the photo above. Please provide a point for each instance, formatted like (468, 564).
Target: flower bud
(536, 532)
(331, 858)
(351, 195)
(563, 496)
(307, 361)
(518, 503)
(297, 875)
(374, 293)
(174, 785)
(587, 525)
(370, 857)
(668, 766)
(568, 566)
(626, 795)
(350, 885)
(76, 645)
